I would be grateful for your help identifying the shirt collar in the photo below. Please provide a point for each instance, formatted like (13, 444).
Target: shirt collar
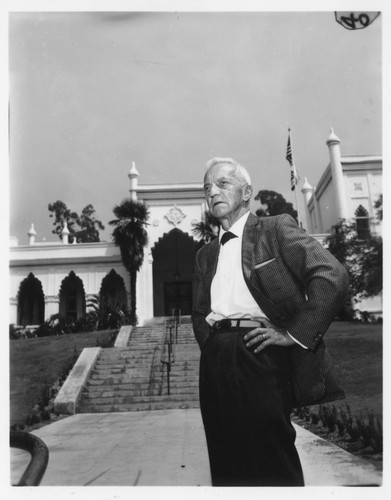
(237, 228)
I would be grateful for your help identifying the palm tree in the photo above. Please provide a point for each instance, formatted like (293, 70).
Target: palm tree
(130, 236)
(207, 229)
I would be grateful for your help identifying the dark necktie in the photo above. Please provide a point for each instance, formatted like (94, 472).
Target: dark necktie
(226, 237)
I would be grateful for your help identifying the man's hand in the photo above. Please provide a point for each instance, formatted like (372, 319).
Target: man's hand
(263, 337)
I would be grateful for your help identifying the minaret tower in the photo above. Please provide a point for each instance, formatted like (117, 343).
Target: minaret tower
(32, 234)
(333, 143)
(65, 234)
(133, 176)
(307, 191)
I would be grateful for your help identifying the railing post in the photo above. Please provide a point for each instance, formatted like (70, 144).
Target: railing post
(167, 357)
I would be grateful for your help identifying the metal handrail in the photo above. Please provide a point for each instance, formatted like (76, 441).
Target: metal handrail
(35, 470)
(169, 341)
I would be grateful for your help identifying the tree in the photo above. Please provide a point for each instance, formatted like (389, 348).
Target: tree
(273, 203)
(62, 214)
(85, 228)
(207, 228)
(88, 226)
(363, 259)
(130, 236)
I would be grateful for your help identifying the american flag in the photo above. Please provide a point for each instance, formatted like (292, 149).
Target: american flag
(289, 157)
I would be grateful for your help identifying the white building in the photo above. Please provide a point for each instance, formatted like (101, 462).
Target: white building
(50, 278)
(348, 189)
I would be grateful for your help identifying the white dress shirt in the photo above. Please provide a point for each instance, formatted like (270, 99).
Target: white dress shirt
(230, 296)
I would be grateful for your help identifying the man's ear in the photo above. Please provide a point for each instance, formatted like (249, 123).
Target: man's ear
(247, 192)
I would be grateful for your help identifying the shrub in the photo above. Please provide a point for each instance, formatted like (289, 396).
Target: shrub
(106, 313)
(371, 431)
(314, 418)
(366, 430)
(56, 325)
(14, 333)
(32, 420)
(107, 341)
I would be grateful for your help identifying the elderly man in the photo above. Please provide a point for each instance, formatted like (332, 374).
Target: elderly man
(264, 295)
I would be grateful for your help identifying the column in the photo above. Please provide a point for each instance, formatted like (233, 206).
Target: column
(52, 305)
(333, 143)
(307, 191)
(13, 317)
(318, 218)
(145, 289)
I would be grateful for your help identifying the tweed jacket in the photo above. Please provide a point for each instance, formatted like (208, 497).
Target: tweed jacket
(297, 283)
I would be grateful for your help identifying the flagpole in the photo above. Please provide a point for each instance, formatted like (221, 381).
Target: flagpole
(297, 205)
(296, 177)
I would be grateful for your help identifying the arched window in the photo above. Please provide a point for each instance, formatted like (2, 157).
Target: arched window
(362, 223)
(113, 289)
(72, 297)
(31, 302)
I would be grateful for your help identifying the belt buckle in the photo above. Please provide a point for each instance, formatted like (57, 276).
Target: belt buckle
(222, 324)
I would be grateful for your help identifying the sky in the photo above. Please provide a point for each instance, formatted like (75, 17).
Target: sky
(90, 92)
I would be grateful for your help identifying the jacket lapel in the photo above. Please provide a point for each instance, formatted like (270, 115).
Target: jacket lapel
(253, 237)
(248, 244)
(212, 257)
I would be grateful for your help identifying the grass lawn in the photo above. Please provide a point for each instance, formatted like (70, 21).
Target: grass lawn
(38, 362)
(356, 350)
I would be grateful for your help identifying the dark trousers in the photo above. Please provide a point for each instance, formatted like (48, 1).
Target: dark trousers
(245, 401)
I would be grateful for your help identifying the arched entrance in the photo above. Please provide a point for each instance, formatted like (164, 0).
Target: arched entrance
(72, 297)
(173, 264)
(31, 302)
(113, 289)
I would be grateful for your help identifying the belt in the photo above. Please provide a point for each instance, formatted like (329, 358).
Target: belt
(227, 324)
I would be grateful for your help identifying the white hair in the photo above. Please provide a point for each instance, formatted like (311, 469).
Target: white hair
(239, 171)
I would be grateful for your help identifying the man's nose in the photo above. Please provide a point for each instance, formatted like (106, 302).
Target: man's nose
(213, 190)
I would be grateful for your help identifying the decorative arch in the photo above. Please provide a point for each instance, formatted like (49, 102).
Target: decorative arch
(72, 297)
(113, 288)
(362, 222)
(173, 264)
(31, 302)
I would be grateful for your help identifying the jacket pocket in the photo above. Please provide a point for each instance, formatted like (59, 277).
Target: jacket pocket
(261, 264)
(275, 279)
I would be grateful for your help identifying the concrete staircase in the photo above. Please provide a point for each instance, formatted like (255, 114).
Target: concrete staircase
(133, 378)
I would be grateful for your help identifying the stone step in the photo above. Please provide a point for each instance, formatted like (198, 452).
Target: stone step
(126, 389)
(101, 385)
(150, 406)
(121, 363)
(114, 399)
(139, 400)
(118, 368)
(125, 377)
(143, 398)
(141, 383)
(128, 351)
